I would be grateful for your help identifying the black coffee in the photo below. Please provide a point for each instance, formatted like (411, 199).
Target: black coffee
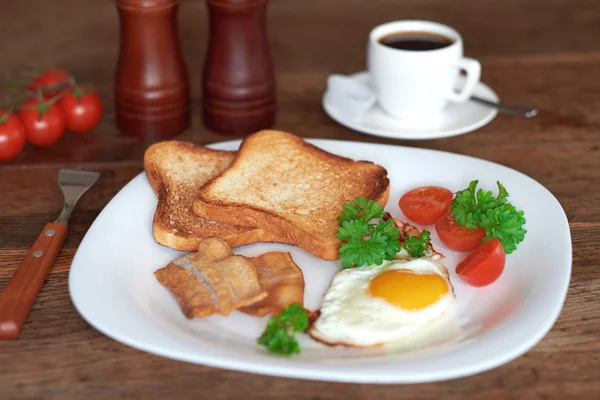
(416, 41)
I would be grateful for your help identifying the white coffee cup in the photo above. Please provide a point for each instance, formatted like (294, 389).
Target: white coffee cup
(416, 85)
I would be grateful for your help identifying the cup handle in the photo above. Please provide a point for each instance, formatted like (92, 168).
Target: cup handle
(473, 70)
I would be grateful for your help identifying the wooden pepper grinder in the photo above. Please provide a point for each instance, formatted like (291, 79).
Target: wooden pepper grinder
(151, 85)
(238, 82)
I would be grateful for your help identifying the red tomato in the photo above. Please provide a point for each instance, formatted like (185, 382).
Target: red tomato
(12, 135)
(484, 265)
(44, 124)
(83, 111)
(456, 237)
(425, 205)
(49, 79)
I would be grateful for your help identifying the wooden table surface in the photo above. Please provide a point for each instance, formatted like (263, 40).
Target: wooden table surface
(542, 53)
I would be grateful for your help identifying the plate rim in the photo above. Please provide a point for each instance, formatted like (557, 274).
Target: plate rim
(251, 366)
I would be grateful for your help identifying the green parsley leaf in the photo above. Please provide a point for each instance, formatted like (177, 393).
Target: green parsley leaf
(499, 218)
(506, 224)
(502, 195)
(468, 205)
(464, 206)
(417, 245)
(485, 201)
(361, 209)
(363, 242)
(367, 244)
(279, 335)
(296, 316)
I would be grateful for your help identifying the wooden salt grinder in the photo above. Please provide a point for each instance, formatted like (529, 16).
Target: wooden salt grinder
(238, 81)
(151, 84)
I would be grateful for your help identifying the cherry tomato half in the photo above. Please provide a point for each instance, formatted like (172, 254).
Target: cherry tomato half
(49, 79)
(83, 112)
(12, 136)
(426, 204)
(484, 265)
(456, 237)
(45, 128)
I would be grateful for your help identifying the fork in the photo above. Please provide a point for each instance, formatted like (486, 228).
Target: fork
(20, 292)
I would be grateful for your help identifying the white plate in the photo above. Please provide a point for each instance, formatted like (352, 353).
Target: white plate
(113, 287)
(457, 119)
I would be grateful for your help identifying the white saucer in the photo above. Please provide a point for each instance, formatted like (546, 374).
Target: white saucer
(458, 118)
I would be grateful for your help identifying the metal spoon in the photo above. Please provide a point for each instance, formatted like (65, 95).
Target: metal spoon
(513, 110)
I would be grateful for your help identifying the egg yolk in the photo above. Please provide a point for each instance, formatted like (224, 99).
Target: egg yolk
(408, 290)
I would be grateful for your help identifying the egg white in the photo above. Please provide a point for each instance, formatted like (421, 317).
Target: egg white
(351, 316)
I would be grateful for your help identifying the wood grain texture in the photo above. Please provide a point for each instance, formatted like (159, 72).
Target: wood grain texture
(545, 54)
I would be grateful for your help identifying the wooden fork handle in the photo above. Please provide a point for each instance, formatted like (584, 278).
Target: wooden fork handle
(20, 292)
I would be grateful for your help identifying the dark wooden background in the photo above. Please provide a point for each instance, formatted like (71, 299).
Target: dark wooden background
(542, 53)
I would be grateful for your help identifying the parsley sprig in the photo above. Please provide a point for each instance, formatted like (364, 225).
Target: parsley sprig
(367, 244)
(279, 335)
(364, 242)
(367, 238)
(500, 219)
(362, 210)
(417, 245)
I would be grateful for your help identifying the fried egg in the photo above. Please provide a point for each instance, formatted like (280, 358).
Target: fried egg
(380, 304)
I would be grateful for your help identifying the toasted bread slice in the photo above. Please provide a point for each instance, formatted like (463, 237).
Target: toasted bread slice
(286, 186)
(212, 281)
(176, 170)
(281, 278)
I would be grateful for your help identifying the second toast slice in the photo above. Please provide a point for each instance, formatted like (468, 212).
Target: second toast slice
(285, 185)
(176, 170)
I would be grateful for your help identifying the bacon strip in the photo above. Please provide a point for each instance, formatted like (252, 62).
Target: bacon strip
(211, 281)
(283, 281)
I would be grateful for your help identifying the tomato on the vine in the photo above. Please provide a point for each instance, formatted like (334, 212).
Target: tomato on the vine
(12, 135)
(50, 78)
(44, 121)
(82, 108)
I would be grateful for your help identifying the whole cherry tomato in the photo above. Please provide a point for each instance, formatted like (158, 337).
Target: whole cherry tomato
(484, 265)
(82, 108)
(12, 135)
(457, 237)
(50, 78)
(426, 204)
(44, 121)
